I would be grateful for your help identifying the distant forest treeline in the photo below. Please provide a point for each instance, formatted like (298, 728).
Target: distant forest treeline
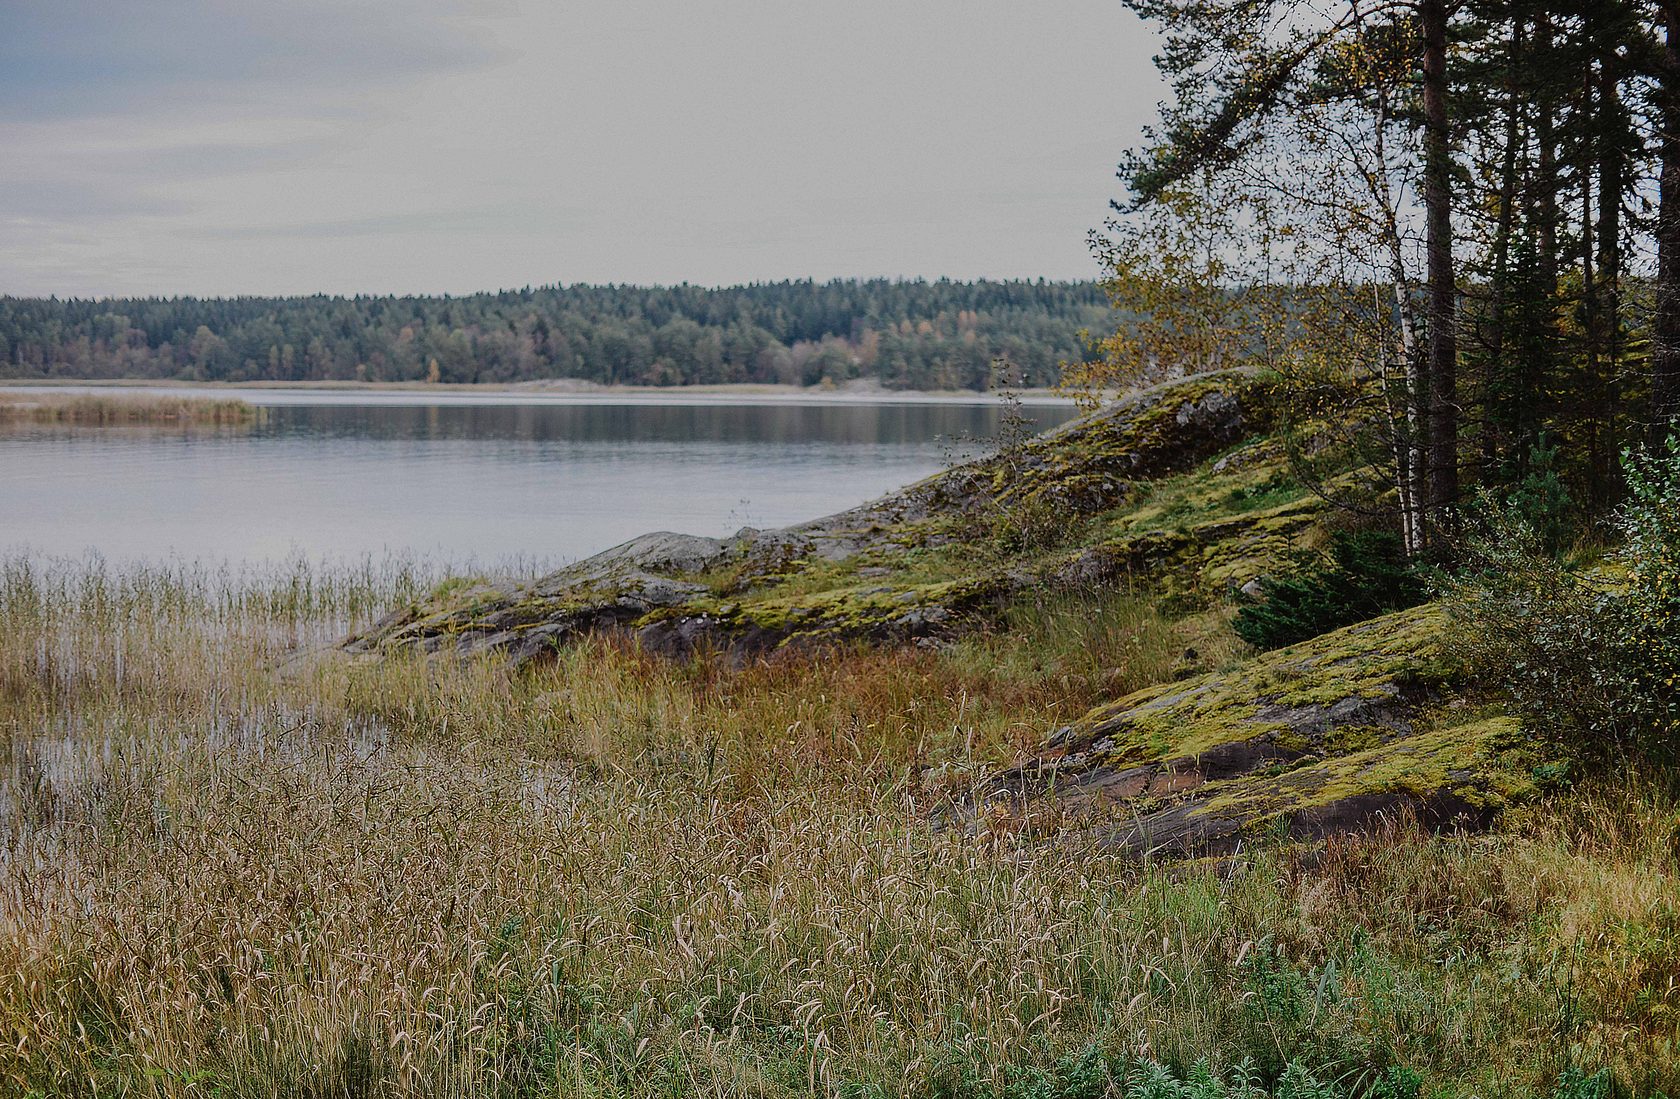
(905, 334)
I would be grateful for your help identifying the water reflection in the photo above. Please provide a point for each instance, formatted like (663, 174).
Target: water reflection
(465, 479)
(644, 422)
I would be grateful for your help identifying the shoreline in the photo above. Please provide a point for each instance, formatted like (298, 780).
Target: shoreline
(549, 391)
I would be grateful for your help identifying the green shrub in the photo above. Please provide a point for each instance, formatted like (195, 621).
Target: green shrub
(1361, 575)
(1589, 659)
(1397, 1082)
(1094, 1074)
(1650, 524)
(1549, 636)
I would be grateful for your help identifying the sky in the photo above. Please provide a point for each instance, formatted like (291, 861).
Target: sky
(222, 147)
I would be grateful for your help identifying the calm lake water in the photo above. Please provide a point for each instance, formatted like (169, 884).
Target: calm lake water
(340, 475)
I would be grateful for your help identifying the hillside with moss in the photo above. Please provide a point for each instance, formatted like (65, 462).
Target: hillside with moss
(1182, 495)
(1117, 496)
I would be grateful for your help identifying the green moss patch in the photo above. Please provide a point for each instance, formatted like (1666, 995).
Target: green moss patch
(1322, 736)
(1293, 691)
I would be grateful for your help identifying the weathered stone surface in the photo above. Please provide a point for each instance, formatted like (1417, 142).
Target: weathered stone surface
(1322, 737)
(526, 620)
(664, 552)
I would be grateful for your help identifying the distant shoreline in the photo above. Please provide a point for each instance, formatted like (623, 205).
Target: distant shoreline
(563, 390)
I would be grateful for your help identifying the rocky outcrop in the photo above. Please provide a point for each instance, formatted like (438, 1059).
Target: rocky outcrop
(527, 620)
(1326, 736)
(1179, 493)
(848, 576)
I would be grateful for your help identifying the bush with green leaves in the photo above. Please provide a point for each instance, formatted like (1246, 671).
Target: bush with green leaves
(1096, 1074)
(1650, 525)
(1359, 575)
(1590, 658)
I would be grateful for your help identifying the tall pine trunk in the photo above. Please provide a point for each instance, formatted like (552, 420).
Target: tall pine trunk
(1546, 180)
(1437, 198)
(1665, 355)
(1609, 306)
(1499, 277)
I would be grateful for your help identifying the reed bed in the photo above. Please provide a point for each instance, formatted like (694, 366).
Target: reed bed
(107, 410)
(233, 865)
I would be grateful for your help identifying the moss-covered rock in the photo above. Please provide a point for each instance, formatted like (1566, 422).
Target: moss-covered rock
(1324, 736)
(879, 613)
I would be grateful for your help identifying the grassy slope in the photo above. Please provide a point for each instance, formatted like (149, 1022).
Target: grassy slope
(227, 873)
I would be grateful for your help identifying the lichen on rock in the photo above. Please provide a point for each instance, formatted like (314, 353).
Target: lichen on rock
(1324, 736)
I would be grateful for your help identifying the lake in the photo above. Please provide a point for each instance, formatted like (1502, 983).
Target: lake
(339, 475)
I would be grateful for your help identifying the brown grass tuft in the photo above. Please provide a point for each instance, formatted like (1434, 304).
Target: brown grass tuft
(102, 410)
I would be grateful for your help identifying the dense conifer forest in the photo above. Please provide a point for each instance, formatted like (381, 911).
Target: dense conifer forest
(904, 334)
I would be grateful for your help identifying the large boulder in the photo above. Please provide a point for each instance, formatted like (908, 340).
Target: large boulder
(1327, 736)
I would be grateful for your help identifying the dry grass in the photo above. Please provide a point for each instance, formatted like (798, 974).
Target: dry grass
(227, 872)
(102, 410)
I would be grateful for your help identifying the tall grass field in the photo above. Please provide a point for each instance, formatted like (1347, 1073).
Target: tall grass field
(234, 862)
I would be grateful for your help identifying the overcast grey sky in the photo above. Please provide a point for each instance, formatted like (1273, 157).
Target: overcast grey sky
(342, 146)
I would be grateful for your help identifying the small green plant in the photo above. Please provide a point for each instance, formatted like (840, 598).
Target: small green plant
(1279, 488)
(1360, 575)
(1575, 1084)
(1011, 521)
(1542, 500)
(1397, 1082)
